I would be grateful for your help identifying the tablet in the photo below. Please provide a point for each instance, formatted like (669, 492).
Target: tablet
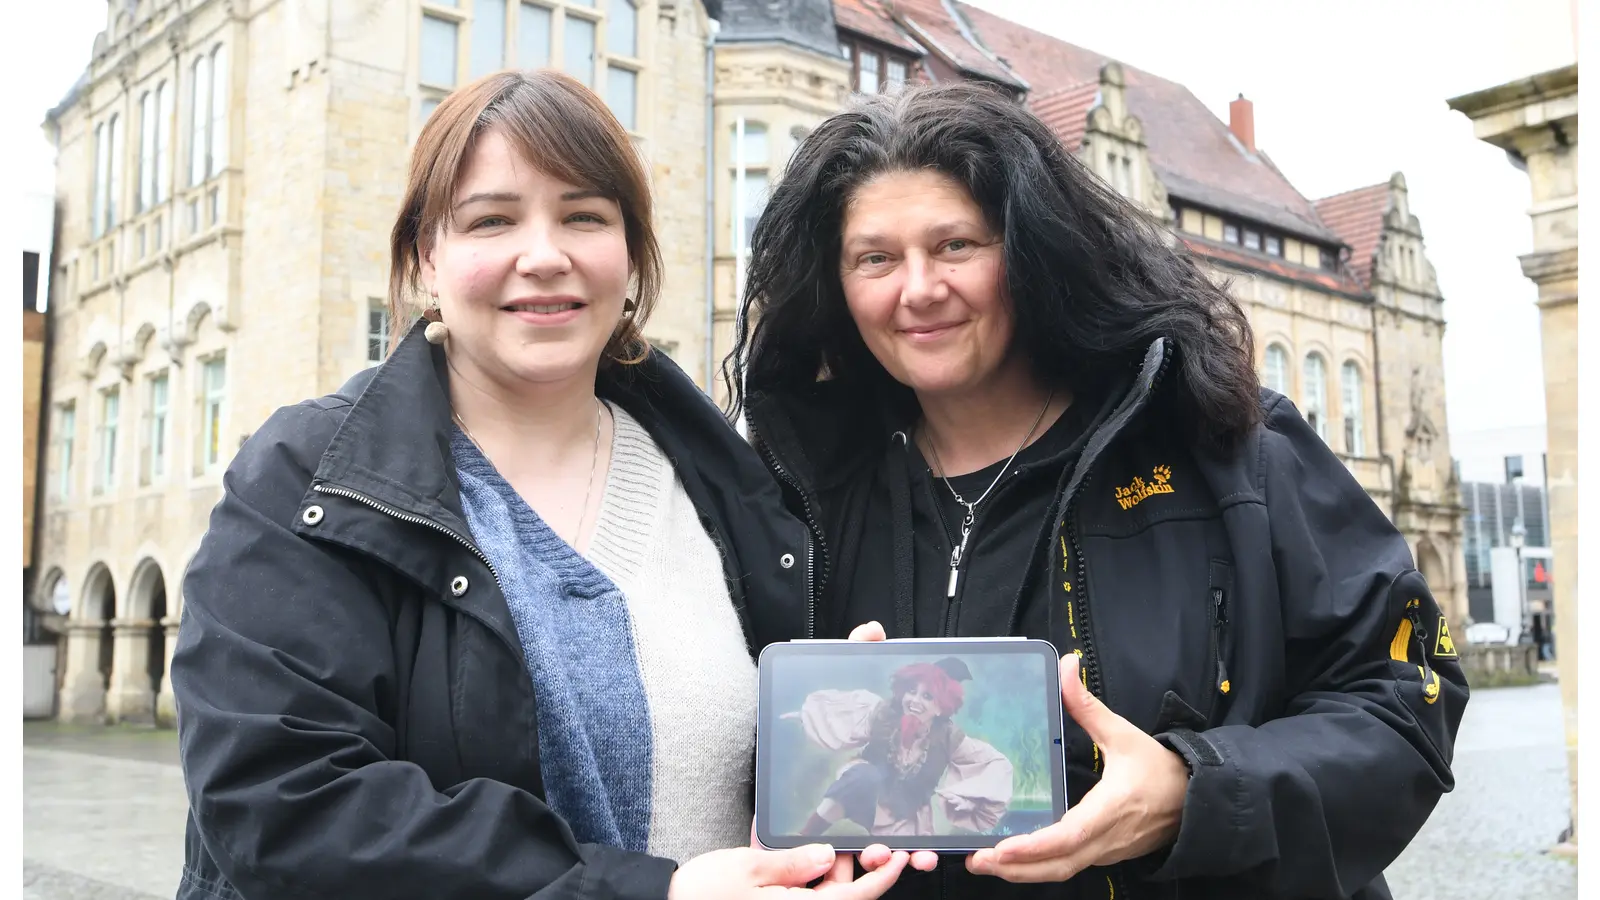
(948, 744)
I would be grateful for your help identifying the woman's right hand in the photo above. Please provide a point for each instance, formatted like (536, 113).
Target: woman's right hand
(744, 872)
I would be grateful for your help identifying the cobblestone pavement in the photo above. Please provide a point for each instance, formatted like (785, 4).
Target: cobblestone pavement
(1486, 839)
(103, 811)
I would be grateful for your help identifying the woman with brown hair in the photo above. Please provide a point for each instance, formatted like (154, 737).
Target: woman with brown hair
(480, 623)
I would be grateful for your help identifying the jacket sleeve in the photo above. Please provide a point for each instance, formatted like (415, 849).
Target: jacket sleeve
(1318, 802)
(282, 671)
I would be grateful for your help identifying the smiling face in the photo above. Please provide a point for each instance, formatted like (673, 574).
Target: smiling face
(919, 703)
(530, 272)
(923, 277)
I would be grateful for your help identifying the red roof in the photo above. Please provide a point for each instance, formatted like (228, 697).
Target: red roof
(952, 39)
(1339, 282)
(1192, 151)
(867, 17)
(1066, 111)
(1357, 217)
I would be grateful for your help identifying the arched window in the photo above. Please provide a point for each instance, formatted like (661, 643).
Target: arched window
(1315, 400)
(1275, 373)
(147, 151)
(163, 177)
(1350, 406)
(217, 157)
(199, 120)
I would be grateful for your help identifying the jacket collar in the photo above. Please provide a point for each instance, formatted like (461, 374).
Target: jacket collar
(823, 432)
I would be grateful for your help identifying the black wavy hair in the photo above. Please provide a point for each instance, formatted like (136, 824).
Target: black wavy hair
(1092, 278)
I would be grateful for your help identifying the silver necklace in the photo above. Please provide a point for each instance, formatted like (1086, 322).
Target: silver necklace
(966, 522)
(594, 459)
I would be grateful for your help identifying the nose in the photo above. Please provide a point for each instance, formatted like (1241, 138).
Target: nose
(923, 285)
(542, 255)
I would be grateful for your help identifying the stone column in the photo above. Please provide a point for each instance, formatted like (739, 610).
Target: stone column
(1556, 273)
(130, 698)
(166, 702)
(83, 690)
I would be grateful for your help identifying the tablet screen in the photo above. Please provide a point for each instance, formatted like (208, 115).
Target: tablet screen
(948, 745)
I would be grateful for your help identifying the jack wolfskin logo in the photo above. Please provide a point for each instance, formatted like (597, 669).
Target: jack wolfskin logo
(1135, 493)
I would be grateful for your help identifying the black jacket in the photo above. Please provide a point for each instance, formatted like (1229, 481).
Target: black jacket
(354, 712)
(1256, 612)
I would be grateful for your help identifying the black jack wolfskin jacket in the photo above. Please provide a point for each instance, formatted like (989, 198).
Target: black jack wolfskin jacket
(1256, 612)
(354, 713)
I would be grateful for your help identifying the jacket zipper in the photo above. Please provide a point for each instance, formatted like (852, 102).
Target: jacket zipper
(1219, 622)
(813, 533)
(1430, 678)
(1080, 598)
(415, 520)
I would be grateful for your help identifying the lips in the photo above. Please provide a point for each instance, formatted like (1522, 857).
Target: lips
(545, 308)
(930, 332)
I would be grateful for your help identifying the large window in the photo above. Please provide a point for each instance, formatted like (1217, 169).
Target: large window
(159, 406)
(1275, 373)
(148, 117)
(107, 175)
(1315, 401)
(208, 115)
(595, 41)
(199, 118)
(111, 414)
(1350, 406)
(66, 441)
(163, 152)
(213, 385)
(377, 332)
(750, 195)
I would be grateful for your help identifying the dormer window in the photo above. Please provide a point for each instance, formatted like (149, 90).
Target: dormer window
(874, 69)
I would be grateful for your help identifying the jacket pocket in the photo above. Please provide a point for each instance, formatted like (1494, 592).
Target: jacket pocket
(1219, 592)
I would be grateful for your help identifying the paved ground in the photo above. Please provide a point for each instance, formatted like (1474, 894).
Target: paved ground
(103, 811)
(1486, 839)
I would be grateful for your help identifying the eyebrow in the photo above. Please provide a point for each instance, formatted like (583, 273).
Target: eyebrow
(514, 197)
(937, 232)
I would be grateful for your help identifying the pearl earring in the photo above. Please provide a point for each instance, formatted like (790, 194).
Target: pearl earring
(436, 332)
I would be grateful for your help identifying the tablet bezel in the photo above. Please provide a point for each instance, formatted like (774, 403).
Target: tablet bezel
(964, 843)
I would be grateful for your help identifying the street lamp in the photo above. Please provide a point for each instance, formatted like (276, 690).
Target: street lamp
(1518, 537)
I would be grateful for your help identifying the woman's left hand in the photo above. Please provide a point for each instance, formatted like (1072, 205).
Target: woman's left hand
(1134, 810)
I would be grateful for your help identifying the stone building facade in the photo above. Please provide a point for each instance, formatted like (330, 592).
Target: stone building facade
(229, 171)
(1535, 120)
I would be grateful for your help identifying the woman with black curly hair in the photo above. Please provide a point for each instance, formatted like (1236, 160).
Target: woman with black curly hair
(1007, 404)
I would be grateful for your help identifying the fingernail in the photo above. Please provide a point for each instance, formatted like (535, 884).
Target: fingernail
(822, 855)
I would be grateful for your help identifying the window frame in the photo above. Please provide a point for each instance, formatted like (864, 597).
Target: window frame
(377, 307)
(1352, 407)
(66, 446)
(213, 416)
(108, 438)
(1315, 402)
(852, 46)
(1284, 356)
(463, 14)
(160, 413)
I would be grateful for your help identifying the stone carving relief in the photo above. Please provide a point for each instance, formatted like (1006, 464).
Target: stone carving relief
(1419, 468)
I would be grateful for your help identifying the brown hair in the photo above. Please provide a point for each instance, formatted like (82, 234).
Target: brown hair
(563, 129)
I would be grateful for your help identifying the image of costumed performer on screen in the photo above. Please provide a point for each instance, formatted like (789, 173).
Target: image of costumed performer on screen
(911, 754)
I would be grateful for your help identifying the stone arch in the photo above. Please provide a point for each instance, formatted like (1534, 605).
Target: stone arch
(89, 363)
(142, 673)
(51, 591)
(1431, 564)
(99, 607)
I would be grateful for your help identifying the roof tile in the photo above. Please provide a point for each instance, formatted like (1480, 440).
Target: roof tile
(1189, 146)
(867, 17)
(1357, 217)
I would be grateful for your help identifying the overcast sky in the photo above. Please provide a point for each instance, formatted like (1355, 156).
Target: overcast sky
(1345, 94)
